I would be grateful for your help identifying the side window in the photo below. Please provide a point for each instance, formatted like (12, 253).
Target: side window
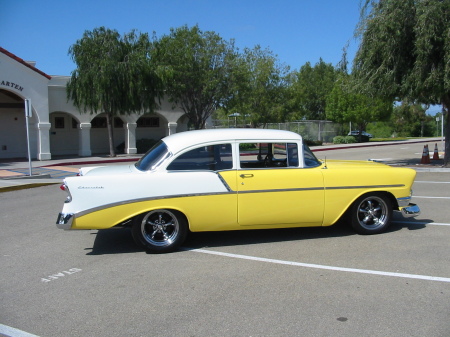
(310, 158)
(292, 155)
(260, 155)
(211, 157)
(251, 155)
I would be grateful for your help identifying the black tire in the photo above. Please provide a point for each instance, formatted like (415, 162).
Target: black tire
(371, 213)
(160, 231)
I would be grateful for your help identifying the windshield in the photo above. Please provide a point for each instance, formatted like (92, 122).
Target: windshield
(154, 157)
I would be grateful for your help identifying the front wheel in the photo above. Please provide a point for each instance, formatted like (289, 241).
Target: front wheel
(160, 231)
(371, 214)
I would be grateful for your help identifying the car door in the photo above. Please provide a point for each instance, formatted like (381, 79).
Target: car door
(202, 194)
(274, 192)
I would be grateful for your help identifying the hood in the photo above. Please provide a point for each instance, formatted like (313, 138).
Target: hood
(107, 170)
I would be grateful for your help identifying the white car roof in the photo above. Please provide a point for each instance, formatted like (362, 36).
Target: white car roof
(183, 140)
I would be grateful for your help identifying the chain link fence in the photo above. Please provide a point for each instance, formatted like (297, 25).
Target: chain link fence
(314, 130)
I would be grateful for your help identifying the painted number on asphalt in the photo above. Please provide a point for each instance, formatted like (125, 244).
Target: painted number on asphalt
(63, 273)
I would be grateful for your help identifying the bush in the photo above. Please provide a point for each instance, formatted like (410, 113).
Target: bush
(380, 129)
(344, 140)
(248, 146)
(310, 142)
(363, 138)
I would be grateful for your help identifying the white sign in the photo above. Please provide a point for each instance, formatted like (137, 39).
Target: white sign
(28, 112)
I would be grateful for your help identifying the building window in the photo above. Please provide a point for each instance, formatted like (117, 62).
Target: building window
(59, 122)
(148, 122)
(98, 122)
(118, 123)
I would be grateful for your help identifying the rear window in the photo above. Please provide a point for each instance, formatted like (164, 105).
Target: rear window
(154, 157)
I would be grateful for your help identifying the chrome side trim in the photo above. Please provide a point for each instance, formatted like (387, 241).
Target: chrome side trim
(229, 191)
(224, 182)
(283, 190)
(410, 211)
(363, 186)
(64, 221)
(132, 201)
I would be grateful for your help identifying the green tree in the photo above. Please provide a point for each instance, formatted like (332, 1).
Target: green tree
(404, 52)
(259, 90)
(113, 75)
(310, 89)
(195, 67)
(411, 120)
(344, 105)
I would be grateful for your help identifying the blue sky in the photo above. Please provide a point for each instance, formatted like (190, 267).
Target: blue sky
(298, 31)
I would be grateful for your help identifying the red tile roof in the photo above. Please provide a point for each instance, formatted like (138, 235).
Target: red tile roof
(18, 59)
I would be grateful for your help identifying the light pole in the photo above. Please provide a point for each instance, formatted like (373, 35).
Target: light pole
(28, 114)
(441, 118)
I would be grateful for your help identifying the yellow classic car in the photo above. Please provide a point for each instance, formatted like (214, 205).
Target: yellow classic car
(233, 179)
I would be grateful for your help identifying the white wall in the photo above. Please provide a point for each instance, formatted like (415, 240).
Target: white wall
(49, 100)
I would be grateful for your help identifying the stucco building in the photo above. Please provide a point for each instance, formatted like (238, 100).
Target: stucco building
(56, 127)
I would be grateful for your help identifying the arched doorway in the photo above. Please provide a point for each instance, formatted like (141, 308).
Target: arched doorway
(99, 134)
(63, 134)
(13, 135)
(151, 126)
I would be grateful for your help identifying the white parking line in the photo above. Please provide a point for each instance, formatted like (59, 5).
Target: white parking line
(13, 332)
(423, 223)
(432, 182)
(318, 266)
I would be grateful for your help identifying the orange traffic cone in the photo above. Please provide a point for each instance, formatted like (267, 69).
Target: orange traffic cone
(436, 152)
(425, 155)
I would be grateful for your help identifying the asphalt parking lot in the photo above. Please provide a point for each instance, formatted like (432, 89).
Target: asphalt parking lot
(294, 282)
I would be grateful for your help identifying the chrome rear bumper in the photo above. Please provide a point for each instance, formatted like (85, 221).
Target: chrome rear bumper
(410, 211)
(64, 221)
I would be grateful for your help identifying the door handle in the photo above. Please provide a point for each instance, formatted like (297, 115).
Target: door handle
(246, 175)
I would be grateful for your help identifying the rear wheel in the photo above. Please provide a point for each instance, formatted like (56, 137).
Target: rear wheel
(371, 214)
(160, 231)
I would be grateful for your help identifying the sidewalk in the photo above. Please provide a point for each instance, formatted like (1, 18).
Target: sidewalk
(14, 174)
(414, 163)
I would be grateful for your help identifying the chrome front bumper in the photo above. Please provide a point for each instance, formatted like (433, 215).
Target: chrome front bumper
(410, 211)
(64, 221)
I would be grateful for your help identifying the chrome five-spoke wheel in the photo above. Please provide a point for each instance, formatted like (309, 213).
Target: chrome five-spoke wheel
(371, 214)
(160, 230)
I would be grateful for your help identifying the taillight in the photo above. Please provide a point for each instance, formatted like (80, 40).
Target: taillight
(66, 189)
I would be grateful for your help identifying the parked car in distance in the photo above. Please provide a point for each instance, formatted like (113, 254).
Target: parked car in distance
(356, 133)
(364, 137)
(233, 179)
